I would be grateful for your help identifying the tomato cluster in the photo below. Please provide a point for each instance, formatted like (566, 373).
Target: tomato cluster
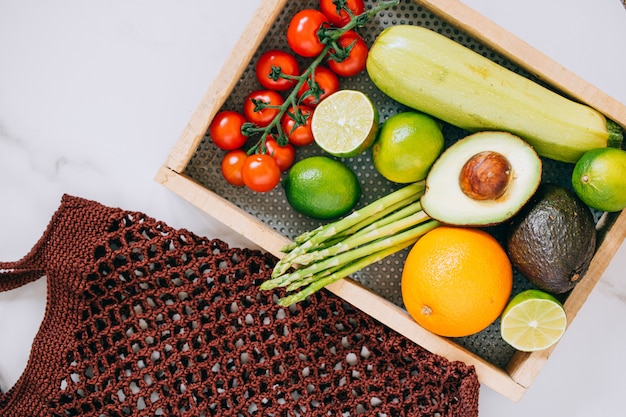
(281, 119)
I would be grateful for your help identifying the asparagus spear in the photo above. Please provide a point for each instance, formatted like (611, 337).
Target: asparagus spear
(344, 258)
(323, 232)
(338, 249)
(311, 278)
(376, 230)
(391, 213)
(351, 268)
(363, 216)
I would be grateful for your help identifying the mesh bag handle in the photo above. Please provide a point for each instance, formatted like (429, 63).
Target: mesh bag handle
(14, 274)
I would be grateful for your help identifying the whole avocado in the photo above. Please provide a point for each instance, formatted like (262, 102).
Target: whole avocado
(552, 240)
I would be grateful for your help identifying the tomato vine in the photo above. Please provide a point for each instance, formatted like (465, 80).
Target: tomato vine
(278, 117)
(329, 36)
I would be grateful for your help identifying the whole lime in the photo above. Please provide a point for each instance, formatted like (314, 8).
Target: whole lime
(321, 187)
(407, 145)
(599, 179)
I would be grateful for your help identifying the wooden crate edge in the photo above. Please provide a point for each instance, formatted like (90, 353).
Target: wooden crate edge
(222, 210)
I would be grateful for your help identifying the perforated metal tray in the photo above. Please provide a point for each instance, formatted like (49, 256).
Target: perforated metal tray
(383, 278)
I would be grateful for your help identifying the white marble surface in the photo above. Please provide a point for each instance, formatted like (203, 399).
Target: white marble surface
(93, 94)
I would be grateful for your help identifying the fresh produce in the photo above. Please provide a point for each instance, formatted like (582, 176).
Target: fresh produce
(284, 155)
(482, 179)
(323, 82)
(232, 166)
(599, 179)
(225, 130)
(282, 109)
(322, 188)
(277, 70)
(260, 172)
(350, 60)
(339, 12)
(261, 107)
(345, 123)
(407, 146)
(302, 32)
(533, 320)
(296, 123)
(449, 287)
(340, 248)
(552, 240)
(433, 74)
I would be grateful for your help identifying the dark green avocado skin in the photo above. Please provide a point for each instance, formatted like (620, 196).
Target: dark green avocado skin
(551, 241)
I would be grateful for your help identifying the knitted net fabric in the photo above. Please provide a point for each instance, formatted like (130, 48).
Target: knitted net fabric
(146, 320)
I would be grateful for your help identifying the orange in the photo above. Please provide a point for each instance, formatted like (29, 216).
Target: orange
(456, 281)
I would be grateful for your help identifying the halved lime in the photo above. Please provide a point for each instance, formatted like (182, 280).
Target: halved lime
(345, 123)
(533, 320)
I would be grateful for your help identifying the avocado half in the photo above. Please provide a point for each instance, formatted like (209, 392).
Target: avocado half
(482, 180)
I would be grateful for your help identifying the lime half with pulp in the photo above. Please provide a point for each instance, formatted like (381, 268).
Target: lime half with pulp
(533, 320)
(345, 123)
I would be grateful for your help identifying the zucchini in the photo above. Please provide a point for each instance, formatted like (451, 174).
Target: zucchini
(431, 73)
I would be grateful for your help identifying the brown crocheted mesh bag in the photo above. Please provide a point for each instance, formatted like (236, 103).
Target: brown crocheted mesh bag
(146, 320)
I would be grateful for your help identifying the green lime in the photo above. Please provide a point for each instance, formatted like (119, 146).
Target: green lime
(407, 145)
(345, 123)
(533, 320)
(599, 179)
(321, 187)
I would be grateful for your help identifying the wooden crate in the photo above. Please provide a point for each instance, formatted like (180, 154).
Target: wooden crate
(516, 377)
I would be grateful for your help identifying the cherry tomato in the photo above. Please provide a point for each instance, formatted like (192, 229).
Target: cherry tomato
(301, 135)
(357, 58)
(260, 173)
(329, 8)
(326, 80)
(232, 165)
(272, 64)
(302, 32)
(262, 116)
(225, 130)
(283, 155)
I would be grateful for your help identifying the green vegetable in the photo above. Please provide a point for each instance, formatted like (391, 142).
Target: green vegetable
(338, 249)
(433, 74)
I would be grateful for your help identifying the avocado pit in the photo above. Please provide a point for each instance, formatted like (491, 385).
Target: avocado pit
(485, 176)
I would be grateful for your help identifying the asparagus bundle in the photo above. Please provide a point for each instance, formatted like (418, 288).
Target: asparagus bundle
(333, 251)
